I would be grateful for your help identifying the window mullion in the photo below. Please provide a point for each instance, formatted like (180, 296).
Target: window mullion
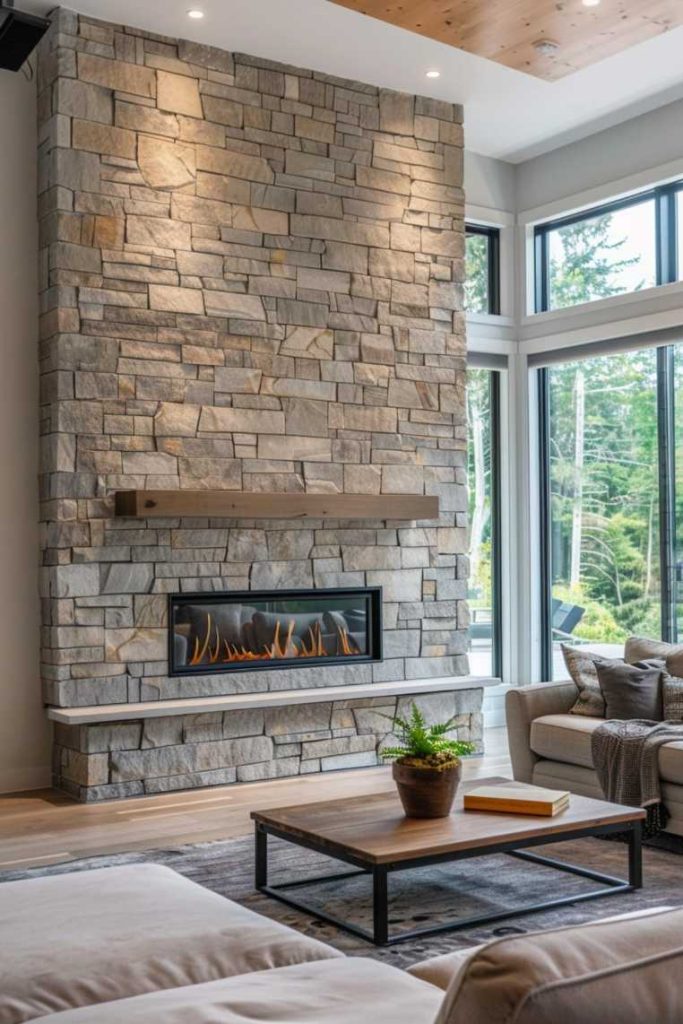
(665, 226)
(496, 546)
(545, 524)
(667, 506)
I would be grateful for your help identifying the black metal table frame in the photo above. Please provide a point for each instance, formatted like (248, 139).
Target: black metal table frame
(380, 873)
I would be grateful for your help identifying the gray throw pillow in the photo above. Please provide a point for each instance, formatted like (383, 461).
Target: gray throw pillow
(582, 667)
(631, 691)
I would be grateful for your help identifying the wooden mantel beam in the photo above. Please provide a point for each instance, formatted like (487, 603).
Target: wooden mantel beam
(257, 505)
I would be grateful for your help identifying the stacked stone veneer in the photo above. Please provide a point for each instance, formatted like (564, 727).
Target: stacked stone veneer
(251, 280)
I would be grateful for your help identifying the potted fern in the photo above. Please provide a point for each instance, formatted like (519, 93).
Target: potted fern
(427, 765)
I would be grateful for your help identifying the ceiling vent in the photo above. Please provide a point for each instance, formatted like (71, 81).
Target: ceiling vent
(546, 47)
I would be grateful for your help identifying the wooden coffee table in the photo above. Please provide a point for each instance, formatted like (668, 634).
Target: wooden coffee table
(372, 834)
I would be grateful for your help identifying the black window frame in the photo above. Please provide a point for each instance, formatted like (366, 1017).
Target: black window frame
(496, 531)
(492, 235)
(666, 230)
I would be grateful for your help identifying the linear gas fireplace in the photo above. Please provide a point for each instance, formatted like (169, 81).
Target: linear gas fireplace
(253, 629)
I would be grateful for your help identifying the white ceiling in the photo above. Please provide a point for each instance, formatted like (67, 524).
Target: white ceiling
(508, 114)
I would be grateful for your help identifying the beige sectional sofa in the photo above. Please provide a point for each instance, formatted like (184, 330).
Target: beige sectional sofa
(550, 747)
(143, 945)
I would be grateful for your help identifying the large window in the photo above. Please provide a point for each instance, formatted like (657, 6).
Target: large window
(482, 269)
(614, 249)
(612, 518)
(483, 400)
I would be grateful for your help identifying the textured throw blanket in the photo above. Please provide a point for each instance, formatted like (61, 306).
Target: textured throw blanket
(625, 755)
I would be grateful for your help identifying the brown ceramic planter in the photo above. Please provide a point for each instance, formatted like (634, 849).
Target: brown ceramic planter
(426, 792)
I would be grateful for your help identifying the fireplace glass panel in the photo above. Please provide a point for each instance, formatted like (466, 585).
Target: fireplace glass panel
(256, 629)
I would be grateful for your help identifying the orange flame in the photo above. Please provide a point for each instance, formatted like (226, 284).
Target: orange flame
(216, 650)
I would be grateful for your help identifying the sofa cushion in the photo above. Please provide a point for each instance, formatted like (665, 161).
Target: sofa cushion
(328, 992)
(567, 739)
(92, 936)
(626, 971)
(564, 738)
(441, 970)
(671, 762)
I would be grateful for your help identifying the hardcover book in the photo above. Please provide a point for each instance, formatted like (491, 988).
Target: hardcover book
(517, 798)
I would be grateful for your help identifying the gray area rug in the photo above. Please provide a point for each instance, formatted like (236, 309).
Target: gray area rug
(420, 897)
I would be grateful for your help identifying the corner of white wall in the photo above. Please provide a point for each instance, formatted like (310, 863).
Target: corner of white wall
(24, 731)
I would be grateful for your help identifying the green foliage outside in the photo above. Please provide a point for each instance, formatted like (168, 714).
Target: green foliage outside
(604, 462)
(476, 274)
(426, 743)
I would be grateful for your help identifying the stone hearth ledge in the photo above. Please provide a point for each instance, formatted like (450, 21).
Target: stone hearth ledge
(274, 699)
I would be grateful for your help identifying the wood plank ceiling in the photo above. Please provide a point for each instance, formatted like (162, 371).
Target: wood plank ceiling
(506, 30)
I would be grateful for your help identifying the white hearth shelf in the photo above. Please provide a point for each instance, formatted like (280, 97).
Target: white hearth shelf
(270, 699)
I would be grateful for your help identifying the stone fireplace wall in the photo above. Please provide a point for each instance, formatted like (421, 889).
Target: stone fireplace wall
(251, 280)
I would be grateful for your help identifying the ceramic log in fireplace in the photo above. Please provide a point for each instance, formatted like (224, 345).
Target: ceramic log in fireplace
(254, 629)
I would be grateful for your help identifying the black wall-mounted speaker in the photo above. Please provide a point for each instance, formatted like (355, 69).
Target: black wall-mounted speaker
(19, 35)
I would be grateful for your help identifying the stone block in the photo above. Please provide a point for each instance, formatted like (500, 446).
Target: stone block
(309, 165)
(369, 418)
(176, 300)
(241, 421)
(377, 348)
(117, 75)
(306, 417)
(166, 165)
(284, 545)
(129, 578)
(398, 584)
(396, 112)
(116, 736)
(79, 99)
(137, 644)
(76, 581)
(234, 164)
(234, 304)
(175, 420)
(247, 545)
(162, 732)
(308, 343)
(223, 111)
(103, 139)
(312, 449)
(158, 232)
(317, 131)
(271, 575)
(178, 94)
(298, 719)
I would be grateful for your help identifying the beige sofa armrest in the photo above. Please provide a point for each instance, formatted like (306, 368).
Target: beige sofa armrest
(522, 705)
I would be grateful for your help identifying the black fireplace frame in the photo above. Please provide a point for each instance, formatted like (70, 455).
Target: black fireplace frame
(374, 630)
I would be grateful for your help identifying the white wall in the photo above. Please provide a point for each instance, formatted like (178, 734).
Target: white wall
(489, 183)
(632, 147)
(24, 733)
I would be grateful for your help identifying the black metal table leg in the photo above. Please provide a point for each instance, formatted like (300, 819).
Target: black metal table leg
(635, 856)
(261, 861)
(380, 906)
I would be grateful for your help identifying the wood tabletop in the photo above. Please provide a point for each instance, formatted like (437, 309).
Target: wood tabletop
(374, 829)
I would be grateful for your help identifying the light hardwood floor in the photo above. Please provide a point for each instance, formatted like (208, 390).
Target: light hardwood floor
(47, 827)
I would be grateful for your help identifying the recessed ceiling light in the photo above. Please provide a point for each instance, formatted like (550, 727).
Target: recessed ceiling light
(195, 13)
(433, 73)
(590, 3)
